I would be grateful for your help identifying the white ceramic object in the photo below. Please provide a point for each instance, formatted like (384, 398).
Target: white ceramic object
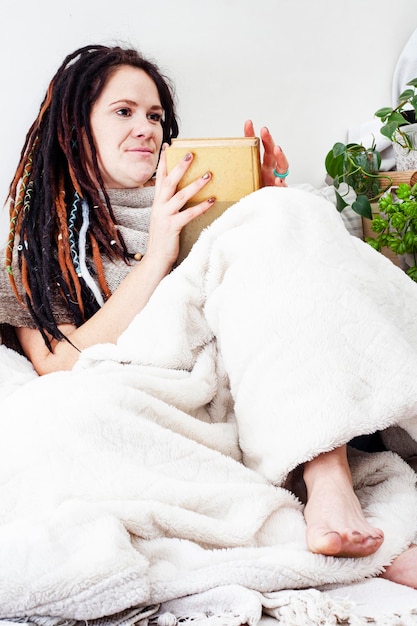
(406, 159)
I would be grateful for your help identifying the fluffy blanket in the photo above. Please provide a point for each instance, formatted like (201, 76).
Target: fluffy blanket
(154, 472)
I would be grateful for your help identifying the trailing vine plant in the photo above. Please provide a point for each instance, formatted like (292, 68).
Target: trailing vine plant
(395, 120)
(358, 167)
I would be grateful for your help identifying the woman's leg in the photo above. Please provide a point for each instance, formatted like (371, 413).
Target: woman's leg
(403, 569)
(336, 525)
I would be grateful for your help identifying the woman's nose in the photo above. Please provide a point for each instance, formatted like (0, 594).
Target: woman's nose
(142, 127)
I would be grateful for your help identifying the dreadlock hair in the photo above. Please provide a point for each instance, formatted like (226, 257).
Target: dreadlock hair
(56, 208)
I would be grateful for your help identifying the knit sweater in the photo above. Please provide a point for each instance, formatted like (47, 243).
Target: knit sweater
(131, 208)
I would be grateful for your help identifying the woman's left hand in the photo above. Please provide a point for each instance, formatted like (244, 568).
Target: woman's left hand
(273, 157)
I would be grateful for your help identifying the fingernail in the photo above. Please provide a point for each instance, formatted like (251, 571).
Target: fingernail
(211, 200)
(206, 176)
(188, 156)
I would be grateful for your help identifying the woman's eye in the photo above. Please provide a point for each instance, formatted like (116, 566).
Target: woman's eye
(155, 117)
(123, 112)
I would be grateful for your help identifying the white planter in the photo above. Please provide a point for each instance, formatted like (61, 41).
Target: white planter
(406, 159)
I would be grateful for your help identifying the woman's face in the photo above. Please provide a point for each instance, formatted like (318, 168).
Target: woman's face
(127, 130)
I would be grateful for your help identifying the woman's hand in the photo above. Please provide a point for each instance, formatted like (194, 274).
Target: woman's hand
(167, 218)
(273, 158)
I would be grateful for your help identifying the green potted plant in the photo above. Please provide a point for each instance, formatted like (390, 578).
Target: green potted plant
(358, 168)
(396, 226)
(399, 126)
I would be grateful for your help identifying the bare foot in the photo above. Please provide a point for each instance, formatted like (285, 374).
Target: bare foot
(403, 570)
(336, 525)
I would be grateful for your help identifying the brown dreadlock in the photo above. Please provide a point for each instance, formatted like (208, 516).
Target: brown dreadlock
(53, 183)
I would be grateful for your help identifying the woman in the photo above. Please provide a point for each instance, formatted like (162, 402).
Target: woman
(80, 264)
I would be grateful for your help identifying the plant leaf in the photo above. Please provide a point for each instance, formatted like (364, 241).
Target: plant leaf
(406, 95)
(388, 130)
(398, 118)
(334, 165)
(340, 203)
(362, 207)
(384, 112)
(339, 149)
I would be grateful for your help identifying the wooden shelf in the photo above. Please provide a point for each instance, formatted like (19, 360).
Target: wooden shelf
(397, 177)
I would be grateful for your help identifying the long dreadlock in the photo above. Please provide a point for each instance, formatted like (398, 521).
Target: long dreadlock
(57, 212)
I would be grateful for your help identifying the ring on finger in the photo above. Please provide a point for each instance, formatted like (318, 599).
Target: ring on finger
(279, 175)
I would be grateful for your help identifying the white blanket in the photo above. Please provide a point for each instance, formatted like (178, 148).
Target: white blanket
(122, 482)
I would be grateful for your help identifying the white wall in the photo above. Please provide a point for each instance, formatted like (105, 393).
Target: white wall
(308, 69)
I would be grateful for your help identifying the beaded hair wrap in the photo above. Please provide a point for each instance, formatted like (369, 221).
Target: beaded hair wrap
(71, 232)
(14, 217)
(83, 269)
(78, 244)
(61, 219)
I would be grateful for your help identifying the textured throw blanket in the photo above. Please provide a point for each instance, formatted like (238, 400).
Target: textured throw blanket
(153, 475)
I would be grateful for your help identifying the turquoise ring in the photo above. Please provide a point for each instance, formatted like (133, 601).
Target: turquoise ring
(278, 175)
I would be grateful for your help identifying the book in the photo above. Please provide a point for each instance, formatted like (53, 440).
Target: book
(235, 165)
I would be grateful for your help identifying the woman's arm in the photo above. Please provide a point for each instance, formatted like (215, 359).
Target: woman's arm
(133, 293)
(104, 327)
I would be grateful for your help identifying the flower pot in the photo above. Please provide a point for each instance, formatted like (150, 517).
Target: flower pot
(406, 157)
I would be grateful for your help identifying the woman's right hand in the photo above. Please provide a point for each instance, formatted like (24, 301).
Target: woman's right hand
(167, 217)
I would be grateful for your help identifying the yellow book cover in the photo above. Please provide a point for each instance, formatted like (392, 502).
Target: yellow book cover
(234, 163)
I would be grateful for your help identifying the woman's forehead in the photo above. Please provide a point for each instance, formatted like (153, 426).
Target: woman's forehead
(128, 83)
